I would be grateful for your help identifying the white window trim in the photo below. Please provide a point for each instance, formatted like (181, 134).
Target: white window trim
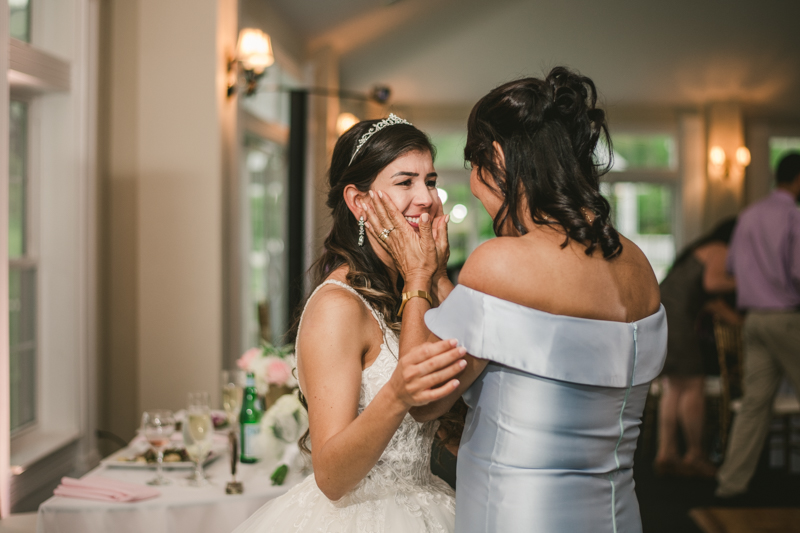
(75, 116)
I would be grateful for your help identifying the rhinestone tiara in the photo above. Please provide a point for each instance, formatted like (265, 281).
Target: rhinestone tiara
(391, 120)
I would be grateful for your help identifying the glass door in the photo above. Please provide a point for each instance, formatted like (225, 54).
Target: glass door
(266, 206)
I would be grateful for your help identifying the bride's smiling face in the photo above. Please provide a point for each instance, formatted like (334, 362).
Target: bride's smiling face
(410, 182)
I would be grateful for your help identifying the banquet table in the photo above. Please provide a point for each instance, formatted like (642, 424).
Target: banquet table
(179, 508)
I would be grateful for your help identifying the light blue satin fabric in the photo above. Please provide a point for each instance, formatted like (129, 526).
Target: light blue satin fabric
(553, 420)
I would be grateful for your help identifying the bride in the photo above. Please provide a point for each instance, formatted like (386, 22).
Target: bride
(370, 457)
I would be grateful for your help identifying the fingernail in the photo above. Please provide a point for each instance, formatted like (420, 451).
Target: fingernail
(446, 219)
(462, 363)
(371, 195)
(462, 350)
(456, 383)
(380, 193)
(424, 217)
(453, 342)
(367, 224)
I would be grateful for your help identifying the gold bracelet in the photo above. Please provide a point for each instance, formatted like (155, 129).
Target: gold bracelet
(413, 294)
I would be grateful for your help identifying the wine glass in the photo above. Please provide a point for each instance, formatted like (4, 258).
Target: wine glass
(198, 435)
(232, 389)
(158, 426)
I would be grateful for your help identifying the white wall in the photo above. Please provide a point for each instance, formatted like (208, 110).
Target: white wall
(168, 125)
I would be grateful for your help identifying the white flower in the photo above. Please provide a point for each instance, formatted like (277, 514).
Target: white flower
(283, 423)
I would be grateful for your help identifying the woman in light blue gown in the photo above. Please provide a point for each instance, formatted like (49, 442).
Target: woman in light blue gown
(560, 315)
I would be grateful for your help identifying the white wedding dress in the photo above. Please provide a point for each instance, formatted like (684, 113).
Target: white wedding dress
(399, 494)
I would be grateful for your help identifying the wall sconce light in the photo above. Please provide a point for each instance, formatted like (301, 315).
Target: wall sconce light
(344, 122)
(721, 166)
(254, 54)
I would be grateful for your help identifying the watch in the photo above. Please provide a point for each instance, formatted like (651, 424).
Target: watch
(413, 294)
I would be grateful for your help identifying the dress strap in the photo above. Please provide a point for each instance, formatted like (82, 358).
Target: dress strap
(376, 315)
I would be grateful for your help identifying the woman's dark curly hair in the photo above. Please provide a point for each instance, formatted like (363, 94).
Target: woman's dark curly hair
(548, 130)
(366, 272)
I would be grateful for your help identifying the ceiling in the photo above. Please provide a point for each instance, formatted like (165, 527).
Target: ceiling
(675, 53)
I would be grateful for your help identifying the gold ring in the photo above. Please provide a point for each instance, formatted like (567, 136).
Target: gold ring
(385, 234)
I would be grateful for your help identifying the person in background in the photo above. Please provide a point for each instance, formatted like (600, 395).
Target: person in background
(765, 259)
(694, 286)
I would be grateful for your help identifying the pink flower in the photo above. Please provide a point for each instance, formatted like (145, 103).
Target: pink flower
(278, 371)
(247, 358)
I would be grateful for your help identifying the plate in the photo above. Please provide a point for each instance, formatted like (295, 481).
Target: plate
(124, 458)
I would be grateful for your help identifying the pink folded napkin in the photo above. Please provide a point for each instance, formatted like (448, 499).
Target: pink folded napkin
(104, 489)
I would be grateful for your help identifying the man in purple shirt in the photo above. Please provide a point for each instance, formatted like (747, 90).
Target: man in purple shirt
(764, 257)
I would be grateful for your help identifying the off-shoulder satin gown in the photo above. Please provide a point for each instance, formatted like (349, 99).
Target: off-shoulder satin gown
(553, 420)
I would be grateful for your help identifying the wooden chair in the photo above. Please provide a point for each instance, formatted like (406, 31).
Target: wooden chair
(731, 363)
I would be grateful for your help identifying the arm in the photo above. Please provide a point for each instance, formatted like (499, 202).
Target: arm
(724, 312)
(794, 249)
(715, 274)
(420, 258)
(347, 445)
(480, 272)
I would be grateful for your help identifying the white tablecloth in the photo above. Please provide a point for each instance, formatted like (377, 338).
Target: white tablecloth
(179, 508)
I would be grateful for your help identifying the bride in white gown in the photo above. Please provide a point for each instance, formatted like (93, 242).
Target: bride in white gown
(371, 458)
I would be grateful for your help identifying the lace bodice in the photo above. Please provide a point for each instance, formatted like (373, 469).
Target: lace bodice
(404, 466)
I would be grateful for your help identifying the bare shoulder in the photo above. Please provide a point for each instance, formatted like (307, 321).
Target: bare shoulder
(335, 318)
(487, 267)
(331, 308)
(634, 270)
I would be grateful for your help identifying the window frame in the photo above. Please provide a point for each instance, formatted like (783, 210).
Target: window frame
(62, 210)
(31, 258)
(260, 131)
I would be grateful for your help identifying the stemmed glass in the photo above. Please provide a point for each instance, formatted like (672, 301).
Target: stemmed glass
(233, 382)
(198, 435)
(158, 426)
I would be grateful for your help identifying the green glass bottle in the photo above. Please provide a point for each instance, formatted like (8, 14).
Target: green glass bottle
(250, 421)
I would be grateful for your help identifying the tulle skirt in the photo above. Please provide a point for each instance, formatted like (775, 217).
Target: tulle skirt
(306, 509)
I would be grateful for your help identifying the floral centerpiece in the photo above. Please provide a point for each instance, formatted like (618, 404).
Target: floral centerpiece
(286, 419)
(281, 427)
(272, 366)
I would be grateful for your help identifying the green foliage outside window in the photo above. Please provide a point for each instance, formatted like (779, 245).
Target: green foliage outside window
(449, 150)
(19, 20)
(779, 147)
(655, 205)
(17, 170)
(643, 151)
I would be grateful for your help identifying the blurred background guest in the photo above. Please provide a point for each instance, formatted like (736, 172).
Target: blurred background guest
(695, 287)
(765, 258)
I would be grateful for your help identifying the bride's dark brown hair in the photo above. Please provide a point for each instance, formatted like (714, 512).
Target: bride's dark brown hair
(366, 273)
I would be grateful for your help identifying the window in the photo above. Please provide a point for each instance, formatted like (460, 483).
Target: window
(640, 187)
(22, 277)
(267, 202)
(20, 19)
(779, 147)
(51, 249)
(643, 151)
(642, 212)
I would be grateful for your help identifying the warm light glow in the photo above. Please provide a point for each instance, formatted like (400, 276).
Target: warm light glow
(459, 213)
(743, 156)
(442, 195)
(345, 121)
(717, 156)
(254, 50)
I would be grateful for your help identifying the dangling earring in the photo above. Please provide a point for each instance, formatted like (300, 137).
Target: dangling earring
(361, 231)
